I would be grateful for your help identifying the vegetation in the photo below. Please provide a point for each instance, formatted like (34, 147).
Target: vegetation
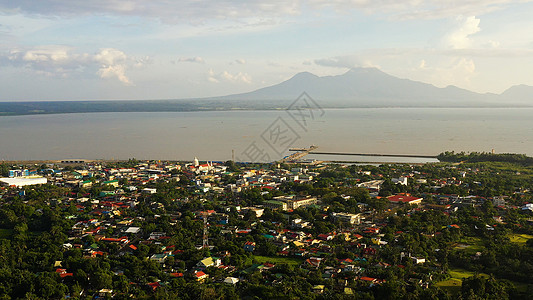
(473, 157)
(474, 238)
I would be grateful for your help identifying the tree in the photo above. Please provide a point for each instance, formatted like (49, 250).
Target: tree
(4, 170)
(232, 167)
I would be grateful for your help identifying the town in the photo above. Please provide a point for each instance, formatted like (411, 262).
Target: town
(226, 230)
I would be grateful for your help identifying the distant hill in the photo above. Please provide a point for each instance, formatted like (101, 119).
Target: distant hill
(368, 87)
(359, 87)
(519, 94)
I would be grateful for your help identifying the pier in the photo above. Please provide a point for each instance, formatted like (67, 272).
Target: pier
(373, 154)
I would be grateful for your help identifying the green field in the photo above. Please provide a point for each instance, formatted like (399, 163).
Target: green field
(470, 244)
(277, 260)
(453, 285)
(519, 238)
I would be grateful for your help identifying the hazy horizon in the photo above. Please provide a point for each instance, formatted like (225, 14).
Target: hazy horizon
(140, 50)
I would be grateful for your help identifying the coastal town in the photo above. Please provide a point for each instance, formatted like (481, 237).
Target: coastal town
(226, 230)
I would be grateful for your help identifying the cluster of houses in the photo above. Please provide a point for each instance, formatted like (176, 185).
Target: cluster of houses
(122, 188)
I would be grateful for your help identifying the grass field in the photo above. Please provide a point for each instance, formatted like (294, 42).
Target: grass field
(519, 238)
(470, 244)
(453, 285)
(277, 260)
(5, 233)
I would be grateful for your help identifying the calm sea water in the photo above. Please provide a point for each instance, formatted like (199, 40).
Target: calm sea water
(256, 135)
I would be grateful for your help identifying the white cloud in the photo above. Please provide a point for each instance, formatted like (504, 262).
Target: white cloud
(62, 61)
(200, 11)
(228, 77)
(416, 9)
(111, 71)
(459, 37)
(457, 71)
(48, 60)
(211, 76)
(112, 64)
(196, 59)
(240, 61)
(192, 11)
(110, 56)
(348, 61)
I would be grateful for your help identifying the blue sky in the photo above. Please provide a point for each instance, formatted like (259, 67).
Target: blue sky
(161, 49)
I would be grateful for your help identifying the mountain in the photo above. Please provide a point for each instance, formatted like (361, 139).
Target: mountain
(370, 87)
(520, 94)
(359, 87)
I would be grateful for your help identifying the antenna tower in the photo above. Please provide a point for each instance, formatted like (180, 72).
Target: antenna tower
(205, 242)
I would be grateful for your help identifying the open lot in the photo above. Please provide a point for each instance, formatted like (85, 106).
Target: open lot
(519, 238)
(453, 285)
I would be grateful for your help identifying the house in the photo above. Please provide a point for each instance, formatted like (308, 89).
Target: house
(373, 185)
(105, 293)
(402, 180)
(258, 211)
(368, 279)
(319, 289)
(133, 230)
(231, 280)
(528, 206)
(149, 191)
(418, 260)
(348, 218)
(404, 198)
(326, 237)
(160, 258)
(209, 262)
(313, 262)
(200, 276)
(113, 183)
(154, 285)
(249, 246)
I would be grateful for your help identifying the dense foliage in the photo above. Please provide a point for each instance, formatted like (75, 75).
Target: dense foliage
(490, 245)
(485, 157)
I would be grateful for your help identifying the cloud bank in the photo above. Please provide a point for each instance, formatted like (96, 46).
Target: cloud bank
(200, 11)
(63, 61)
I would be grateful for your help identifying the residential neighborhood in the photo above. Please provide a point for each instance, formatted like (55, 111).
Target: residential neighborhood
(155, 228)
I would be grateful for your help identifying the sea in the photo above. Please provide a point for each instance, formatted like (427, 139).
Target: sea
(246, 135)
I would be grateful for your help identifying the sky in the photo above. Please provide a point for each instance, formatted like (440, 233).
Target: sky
(164, 49)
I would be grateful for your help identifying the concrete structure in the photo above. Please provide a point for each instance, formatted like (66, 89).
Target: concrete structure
(23, 181)
(402, 180)
(292, 202)
(373, 185)
(19, 173)
(231, 280)
(405, 198)
(273, 204)
(348, 218)
(303, 202)
(258, 211)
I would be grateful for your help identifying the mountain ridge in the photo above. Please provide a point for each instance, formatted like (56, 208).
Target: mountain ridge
(357, 88)
(373, 87)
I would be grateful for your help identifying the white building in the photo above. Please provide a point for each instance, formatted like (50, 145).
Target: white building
(348, 218)
(402, 180)
(23, 181)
